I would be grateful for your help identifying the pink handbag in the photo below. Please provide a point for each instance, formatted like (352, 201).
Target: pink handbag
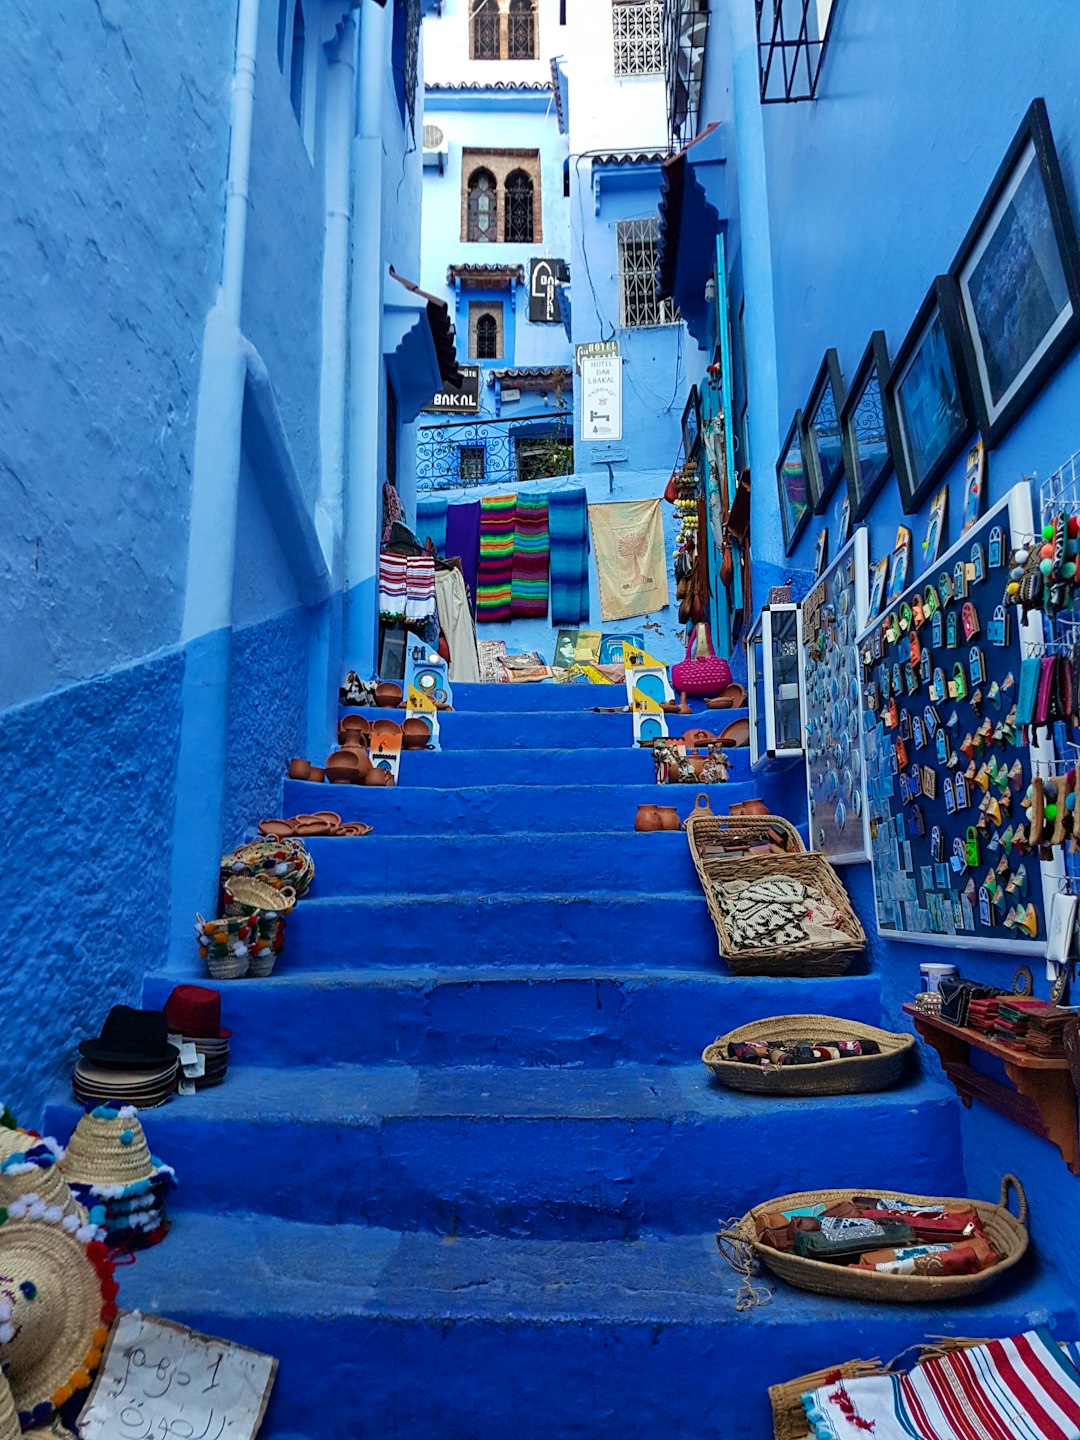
(702, 672)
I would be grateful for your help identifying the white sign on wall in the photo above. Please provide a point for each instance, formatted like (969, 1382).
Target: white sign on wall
(601, 397)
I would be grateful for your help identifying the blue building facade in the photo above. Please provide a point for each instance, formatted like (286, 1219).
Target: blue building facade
(194, 450)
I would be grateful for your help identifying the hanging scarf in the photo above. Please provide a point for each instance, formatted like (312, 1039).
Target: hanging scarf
(530, 584)
(431, 523)
(494, 582)
(567, 521)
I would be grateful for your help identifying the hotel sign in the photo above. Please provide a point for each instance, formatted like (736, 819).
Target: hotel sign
(465, 401)
(544, 279)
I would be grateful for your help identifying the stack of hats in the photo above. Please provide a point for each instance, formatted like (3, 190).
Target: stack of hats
(193, 1013)
(130, 1063)
(111, 1171)
(56, 1306)
(29, 1165)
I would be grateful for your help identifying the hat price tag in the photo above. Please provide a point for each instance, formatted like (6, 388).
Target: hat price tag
(194, 1069)
(186, 1087)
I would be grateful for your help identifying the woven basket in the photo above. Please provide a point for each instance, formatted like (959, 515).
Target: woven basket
(727, 836)
(849, 1076)
(248, 895)
(278, 862)
(712, 838)
(225, 945)
(1006, 1232)
(789, 1417)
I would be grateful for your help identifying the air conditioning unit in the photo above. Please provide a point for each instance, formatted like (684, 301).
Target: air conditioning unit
(434, 148)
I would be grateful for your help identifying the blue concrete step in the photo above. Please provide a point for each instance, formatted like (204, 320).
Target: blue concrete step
(410, 1336)
(588, 1153)
(512, 863)
(513, 1016)
(496, 809)
(577, 927)
(542, 695)
(452, 769)
(551, 729)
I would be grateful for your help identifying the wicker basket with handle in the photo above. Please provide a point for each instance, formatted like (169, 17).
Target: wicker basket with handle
(718, 860)
(850, 1076)
(1006, 1232)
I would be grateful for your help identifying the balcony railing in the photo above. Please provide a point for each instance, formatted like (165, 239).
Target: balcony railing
(471, 453)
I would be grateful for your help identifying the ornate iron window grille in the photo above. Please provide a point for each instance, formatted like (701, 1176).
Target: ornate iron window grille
(638, 27)
(412, 51)
(639, 307)
(518, 208)
(686, 30)
(494, 452)
(487, 338)
(482, 204)
(521, 31)
(792, 39)
(471, 462)
(485, 30)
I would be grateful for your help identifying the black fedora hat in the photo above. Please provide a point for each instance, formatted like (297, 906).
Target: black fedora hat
(131, 1039)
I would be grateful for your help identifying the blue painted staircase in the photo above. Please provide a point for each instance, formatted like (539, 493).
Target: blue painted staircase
(466, 1170)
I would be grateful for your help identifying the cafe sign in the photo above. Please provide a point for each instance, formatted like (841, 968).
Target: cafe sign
(462, 401)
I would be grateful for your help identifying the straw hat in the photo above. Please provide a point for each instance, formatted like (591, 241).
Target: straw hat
(108, 1149)
(9, 1418)
(57, 1307)
(28, 1165)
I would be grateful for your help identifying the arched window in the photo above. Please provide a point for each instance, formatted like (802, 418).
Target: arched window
(519, 207)
(296, 67)
(487, 338)
(484, 20)
(483, 220)
(521, 31)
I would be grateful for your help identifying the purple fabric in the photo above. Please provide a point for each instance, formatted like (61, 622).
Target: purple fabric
(463, 538)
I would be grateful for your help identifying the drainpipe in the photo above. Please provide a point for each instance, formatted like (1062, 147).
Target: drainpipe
(363, 487)
(206, 635)
(340, 126)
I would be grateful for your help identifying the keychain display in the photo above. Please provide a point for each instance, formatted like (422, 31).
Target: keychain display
(959, 824)
(833, 614)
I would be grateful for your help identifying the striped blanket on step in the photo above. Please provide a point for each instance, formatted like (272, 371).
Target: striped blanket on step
(494, 582)
(568, 526)
(529, 599)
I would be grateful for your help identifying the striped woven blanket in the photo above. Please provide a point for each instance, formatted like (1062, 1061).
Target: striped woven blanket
(568, 525)
(494, 583)
(530, 585)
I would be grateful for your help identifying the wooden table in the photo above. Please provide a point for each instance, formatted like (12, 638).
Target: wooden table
(1043, 1101)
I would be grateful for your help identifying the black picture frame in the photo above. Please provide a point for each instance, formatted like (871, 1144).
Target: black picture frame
(823, 439)
(691, 425)
(934, 421)
(868, 423)
(1017, 275)
(794, 519)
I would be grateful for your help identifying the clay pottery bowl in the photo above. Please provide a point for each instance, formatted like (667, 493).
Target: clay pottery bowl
(317, 774)
(377, 776)
(388, 694)
(753, 807)
(735, 734)
(308, 825)
(332, 818)
(299, 769)
(733, 697)
(415, 735)
(385, 727)
(362, 761)
(647, 819)
(343, 762)
(354, 729)
(694, 738)
(277, 829)
(675, 707)
(669, 817)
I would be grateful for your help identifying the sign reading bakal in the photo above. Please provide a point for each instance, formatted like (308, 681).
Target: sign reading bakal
(464, 401)
(544, 278)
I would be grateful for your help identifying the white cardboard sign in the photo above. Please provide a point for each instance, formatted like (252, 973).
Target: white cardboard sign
(161, 1381)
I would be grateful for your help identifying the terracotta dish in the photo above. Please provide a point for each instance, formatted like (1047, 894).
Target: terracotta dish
(388, 694)
(733, 697)
(736, 734)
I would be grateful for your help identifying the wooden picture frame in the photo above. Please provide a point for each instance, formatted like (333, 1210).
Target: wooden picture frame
(823, 438)
(930, 390)
(1017, 275)
(691, 425)
(791, 485)
(868, 423)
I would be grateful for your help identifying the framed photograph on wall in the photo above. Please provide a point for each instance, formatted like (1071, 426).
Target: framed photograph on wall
(691, 425)
(792, 487)
(929, 389)
(823, 442)
(868, 428)
(1018, 275)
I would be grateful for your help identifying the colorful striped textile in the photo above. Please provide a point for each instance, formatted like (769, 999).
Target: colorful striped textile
(431, 522)
(420, 588)
(463, 542)
(568, 526)
(393, 580)
(495, 581)
(529, 599)
(1019, 1389)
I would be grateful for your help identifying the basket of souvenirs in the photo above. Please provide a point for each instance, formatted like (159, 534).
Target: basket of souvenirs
(225, 945)
(882, 1245)
(777, 909)
(279, 863)
(808, 1055)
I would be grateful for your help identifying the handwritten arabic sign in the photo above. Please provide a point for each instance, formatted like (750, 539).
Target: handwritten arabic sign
(162, 1381)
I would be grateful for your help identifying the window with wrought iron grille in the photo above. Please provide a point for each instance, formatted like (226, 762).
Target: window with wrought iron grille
(638, 27)
(485, 27)
(518, 208)
(639, 307)
(541, 457)
(483, 206)
(521, 30)
(485, 330)
(472, 462)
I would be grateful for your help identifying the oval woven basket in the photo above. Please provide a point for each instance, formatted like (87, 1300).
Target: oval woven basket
(850, 1076)
(1007, 1233)
(251, 895)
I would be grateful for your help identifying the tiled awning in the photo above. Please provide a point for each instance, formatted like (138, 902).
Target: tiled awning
(485, 277)
(534, 377)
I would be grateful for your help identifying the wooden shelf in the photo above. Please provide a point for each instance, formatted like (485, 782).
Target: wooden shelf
(1043, 1099)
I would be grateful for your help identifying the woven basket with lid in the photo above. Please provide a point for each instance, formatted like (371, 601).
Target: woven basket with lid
(850, 1076)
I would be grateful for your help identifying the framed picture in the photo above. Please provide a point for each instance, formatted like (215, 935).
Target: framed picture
(1018, 276)
(823, 444)
(974, 484)
(791, 485)
(900, 568)
(868, 427)
(935, 526)
(929, 389)
(691, 425)
(821, 553)
(877, 587)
